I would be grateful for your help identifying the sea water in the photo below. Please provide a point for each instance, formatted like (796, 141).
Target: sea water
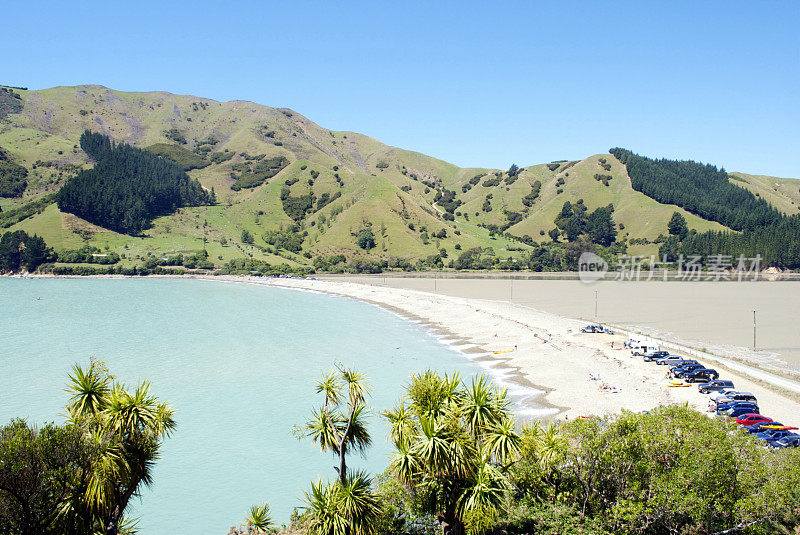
(237, 361)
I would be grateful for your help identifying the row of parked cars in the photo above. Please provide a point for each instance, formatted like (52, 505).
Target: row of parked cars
(689, 370)
(724, 399)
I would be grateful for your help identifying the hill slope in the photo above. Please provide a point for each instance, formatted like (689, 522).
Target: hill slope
(334, 184)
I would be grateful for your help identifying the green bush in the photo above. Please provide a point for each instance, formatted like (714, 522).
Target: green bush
(187, 159)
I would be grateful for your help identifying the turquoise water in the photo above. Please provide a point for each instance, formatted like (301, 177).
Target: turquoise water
(238, 362)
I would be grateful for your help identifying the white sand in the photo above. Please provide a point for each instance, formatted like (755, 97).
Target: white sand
(551, 352)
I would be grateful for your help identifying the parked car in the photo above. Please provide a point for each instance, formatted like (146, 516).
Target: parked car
(670, 360)
(643, 349)
(789, 441)
(757, 427)
(716, 396)
(592, 328)
(655, 355)
(701, 375)
(686, 362)
(754, 418)
(734, 404)
(735, 396)
(735, 412)
(773, 434)
(684, 369)
(717, 385)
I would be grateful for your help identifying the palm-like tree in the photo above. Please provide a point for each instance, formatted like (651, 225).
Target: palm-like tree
(259, 519)
(347, 506)
(339, 425)
(454, 443)
(127, 429)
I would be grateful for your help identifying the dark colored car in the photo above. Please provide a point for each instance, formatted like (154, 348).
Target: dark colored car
(686, 362)
(714, 386)
(681, 371)
(758, 427)
(790, 441)
(655, 355)
(735, 412)
(701, 375)
(755, 418)
(771, 435)
(736, 404)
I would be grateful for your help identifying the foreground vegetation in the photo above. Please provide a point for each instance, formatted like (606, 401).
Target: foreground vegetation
(462, 465)
(79, 478)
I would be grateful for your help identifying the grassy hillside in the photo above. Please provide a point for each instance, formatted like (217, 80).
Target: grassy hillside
(388, 190)
(782, 193)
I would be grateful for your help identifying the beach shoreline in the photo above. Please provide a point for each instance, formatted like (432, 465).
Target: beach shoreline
(577, 374)
(543, 356)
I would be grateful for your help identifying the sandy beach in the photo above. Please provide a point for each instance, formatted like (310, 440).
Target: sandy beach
(577, 374)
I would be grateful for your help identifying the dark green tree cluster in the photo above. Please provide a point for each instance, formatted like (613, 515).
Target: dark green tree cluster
(253, 173)
(252, 266)
(700, 189)
(13, 177)
(18, 251)
(575, 221)
(778, 245)
(473, 259)
(290, 239)
(187, 159)
(296, 207)
(329, 263)
(447, 200)
(531, 197)
(88, 255)
(365, 238)
(127, 187)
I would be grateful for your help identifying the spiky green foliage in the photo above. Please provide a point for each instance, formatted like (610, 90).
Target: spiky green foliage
(127, 428)
(453, 446)
(347, 505)
(259, 519)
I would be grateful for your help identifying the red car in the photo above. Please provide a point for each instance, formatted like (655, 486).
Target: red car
(752, 418)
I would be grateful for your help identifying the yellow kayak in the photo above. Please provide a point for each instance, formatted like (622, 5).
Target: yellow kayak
(677, 385)
(504, 351)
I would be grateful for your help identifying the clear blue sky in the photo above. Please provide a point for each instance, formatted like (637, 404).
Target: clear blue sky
(474, 83)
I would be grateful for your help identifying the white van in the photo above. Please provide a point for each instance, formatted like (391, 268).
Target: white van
(643, 349)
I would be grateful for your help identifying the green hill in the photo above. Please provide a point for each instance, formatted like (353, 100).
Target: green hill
(273, 169)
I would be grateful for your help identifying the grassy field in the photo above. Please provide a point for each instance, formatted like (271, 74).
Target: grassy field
(380, 187)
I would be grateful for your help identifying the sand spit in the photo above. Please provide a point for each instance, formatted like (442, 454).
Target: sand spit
(573, 373)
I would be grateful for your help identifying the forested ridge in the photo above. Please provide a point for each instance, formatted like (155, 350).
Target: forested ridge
(706, 191)
(127, 187)
(700, 189)
(778, 245)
